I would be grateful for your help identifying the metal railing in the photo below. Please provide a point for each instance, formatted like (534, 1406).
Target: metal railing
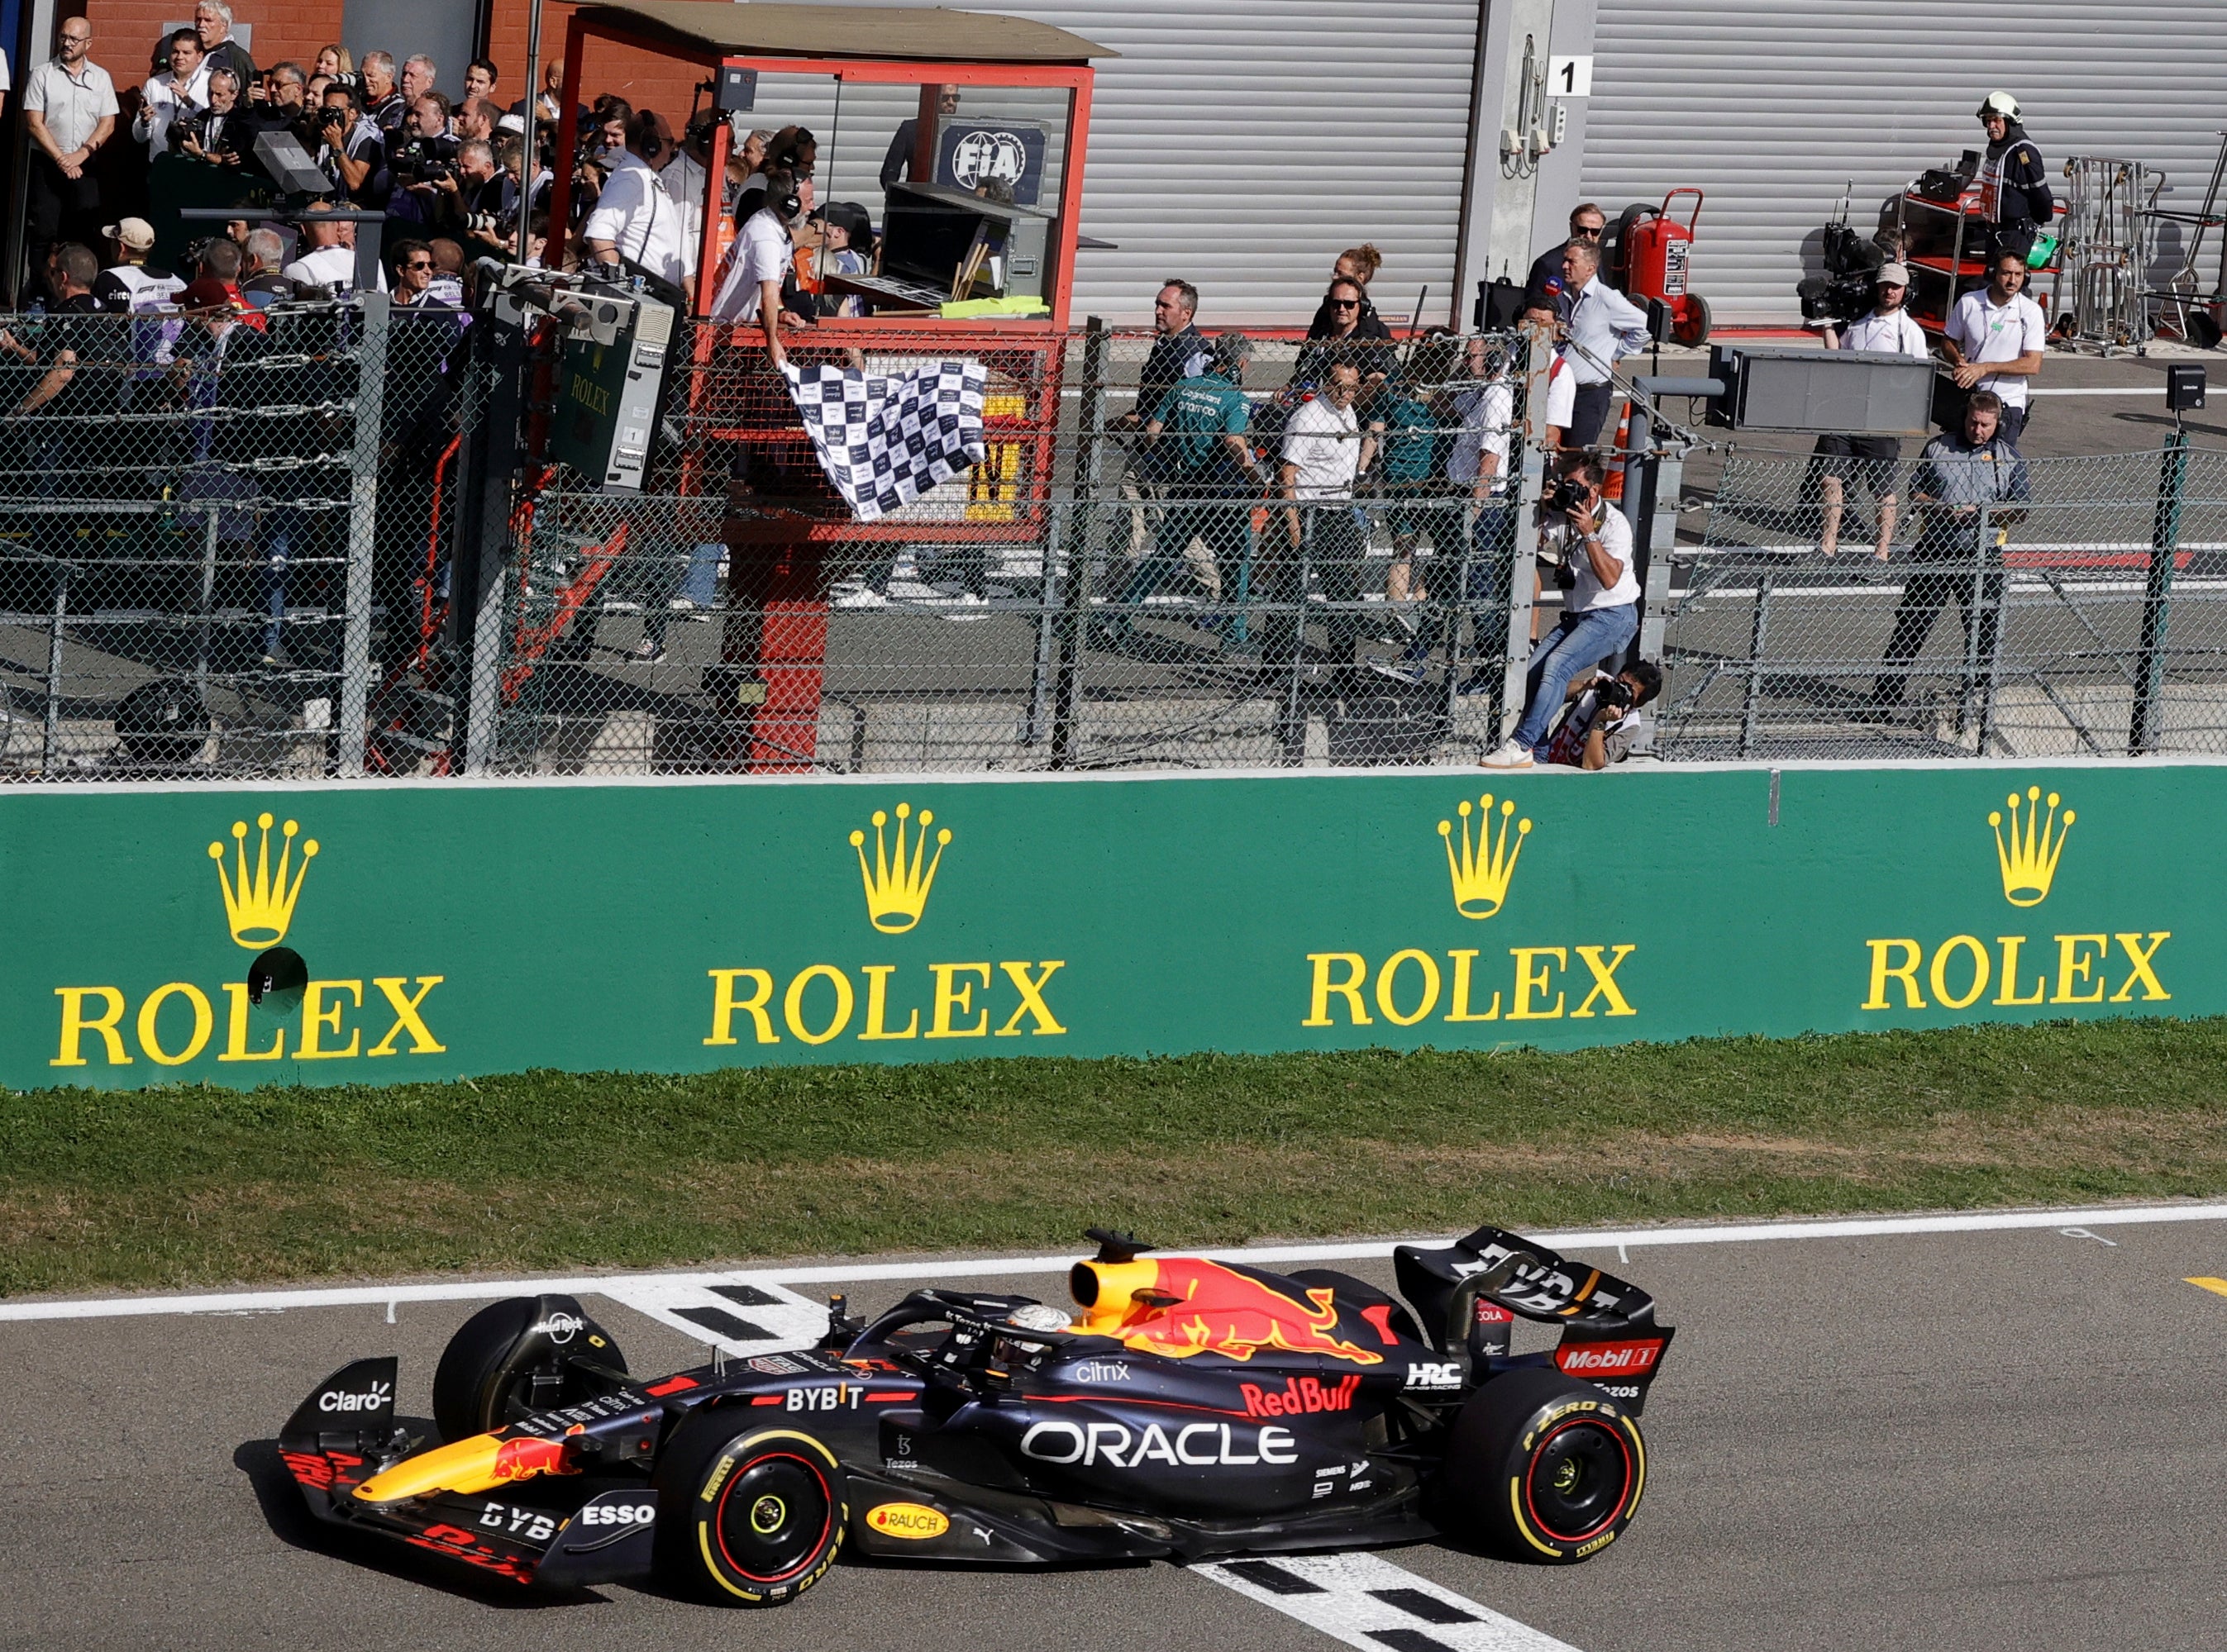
(229, 553)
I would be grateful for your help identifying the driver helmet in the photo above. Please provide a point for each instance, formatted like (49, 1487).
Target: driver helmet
(1998, 103)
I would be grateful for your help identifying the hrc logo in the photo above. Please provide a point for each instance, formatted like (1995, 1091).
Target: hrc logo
(896, 893)
(1481, 872)
(257, 906)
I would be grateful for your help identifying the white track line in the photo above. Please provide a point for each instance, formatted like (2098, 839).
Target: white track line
(1366, 1601)
(620, 1286)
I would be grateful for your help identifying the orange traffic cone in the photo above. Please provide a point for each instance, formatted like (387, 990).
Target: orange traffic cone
(1612, 464)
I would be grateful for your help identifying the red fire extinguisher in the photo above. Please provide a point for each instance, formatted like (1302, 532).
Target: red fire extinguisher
(1652, 253)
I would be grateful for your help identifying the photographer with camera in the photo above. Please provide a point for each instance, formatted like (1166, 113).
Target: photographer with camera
(350, 149)
(1867, 459)
(221, 134)
(179, 91)
(423, 163)
(479, 202)
(1603, 722)
(1588, 546)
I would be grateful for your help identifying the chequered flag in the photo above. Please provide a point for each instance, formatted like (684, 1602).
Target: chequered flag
(883, 441)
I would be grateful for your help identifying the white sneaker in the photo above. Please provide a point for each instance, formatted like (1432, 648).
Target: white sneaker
(867, 596)
(1509, 755)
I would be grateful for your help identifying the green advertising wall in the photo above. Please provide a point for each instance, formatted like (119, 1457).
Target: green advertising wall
(450, 929)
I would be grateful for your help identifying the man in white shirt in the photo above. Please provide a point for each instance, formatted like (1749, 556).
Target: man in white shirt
(180, 91)
(1321, 454)
(1869, 460)
(635, 225)
(1600, 612)
(760, 260)
(69, 110)
(1604, 327)
(1994, 340)
(328, 262)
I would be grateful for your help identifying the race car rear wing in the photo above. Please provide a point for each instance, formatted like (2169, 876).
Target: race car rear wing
(1464, 1294)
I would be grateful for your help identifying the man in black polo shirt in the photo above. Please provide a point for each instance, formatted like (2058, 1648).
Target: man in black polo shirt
(74, 404)
(1543, 291)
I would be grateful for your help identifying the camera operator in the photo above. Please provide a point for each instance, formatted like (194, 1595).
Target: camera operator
(1602, 721)
(479, 202)
(220, 134)
(424, 161)
(349, 150)
(1588, 545)
(1868, 459)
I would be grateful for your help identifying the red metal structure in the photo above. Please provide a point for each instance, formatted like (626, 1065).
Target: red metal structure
(785, 518)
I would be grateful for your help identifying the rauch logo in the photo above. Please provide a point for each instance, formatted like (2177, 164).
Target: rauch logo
(2073, 967)
(822, 1002)
(176, 1023)
(1410, 985)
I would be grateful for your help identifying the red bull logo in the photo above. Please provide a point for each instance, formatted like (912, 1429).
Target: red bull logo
(1179, 1306)
(524, 1457)
(1299, 1396)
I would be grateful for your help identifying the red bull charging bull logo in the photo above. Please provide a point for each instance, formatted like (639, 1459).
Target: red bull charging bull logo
(1199, 1307)
(526, 1457)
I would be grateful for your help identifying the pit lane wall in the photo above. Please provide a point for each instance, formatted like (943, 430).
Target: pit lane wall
(450, 929)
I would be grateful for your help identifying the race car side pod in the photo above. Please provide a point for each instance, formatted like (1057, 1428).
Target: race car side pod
(1609, 1333)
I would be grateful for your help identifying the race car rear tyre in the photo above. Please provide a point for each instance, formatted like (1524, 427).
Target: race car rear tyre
(1544, 1468)
(747, 1516)
(1361, 1296)
(510, 1360)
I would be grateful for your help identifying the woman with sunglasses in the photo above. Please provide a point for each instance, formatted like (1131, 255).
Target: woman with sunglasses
(1358, 265)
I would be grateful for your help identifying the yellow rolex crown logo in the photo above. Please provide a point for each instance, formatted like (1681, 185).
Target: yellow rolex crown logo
(2028, 856)
(257, 905)
(1482, 871)
(896, 890)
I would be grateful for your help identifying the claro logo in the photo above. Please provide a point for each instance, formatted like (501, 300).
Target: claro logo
(380, 1396)
(1198, 1445)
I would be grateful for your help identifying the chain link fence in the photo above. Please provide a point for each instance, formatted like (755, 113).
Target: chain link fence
(2087, 616)
(215, 536)
(226, 550)
(1093, 595)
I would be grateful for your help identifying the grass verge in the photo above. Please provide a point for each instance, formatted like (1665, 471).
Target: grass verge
(190, 1186)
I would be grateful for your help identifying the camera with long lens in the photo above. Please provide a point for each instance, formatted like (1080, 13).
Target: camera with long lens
(425, 160)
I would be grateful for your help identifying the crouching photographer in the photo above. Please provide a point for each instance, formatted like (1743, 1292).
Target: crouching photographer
(1603, 722)
(1586, 547)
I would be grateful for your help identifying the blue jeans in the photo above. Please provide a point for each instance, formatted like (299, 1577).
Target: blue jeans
(1579, 641)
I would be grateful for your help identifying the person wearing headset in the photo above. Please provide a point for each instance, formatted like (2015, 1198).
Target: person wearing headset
(635, 224)
(763, 259)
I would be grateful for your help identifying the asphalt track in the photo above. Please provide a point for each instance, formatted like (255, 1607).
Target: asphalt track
(1981, 1439)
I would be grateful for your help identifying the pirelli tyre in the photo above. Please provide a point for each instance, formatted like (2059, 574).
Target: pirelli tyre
(747, 1515)
(515, 1357)
(1543, 1467)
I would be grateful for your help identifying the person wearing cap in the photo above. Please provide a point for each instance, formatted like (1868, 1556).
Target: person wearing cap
(2013, 184)
(1867, 459)
(128, 284)
(1995, 338)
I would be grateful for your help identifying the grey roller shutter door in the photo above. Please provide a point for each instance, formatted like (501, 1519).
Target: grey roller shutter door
(1773, 108)
(1240, 144)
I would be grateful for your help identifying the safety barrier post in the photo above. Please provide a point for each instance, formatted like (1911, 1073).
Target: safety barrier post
(2148, 721)
(1082, 539)
(363, 510)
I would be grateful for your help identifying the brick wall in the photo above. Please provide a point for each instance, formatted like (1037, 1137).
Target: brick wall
(125, 33)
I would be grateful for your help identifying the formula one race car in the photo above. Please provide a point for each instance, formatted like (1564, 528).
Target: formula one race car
(1191, 1409)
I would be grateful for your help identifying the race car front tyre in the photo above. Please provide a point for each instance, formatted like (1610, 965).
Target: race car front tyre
(515, 1357)
(1543, 1467)
(747, 1516)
